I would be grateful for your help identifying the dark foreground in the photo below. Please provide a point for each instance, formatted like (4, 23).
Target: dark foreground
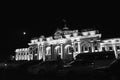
(101, 74)
(10, 75)
(13, 75)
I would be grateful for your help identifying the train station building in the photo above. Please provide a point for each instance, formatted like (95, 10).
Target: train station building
(66, 44)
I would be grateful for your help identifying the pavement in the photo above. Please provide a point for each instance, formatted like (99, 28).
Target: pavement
(10, 74)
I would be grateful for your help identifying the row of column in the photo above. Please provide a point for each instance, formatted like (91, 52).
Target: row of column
(111, 47)
(75, 45)
(24, 56)
(41, 54)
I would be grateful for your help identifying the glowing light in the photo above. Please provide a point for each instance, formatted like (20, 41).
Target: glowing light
(24, 33)
(5, 64)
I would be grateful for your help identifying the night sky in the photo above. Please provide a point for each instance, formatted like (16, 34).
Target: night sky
(44, 21)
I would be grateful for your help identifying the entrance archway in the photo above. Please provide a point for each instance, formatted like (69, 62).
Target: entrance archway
(69, 49)
(85, 47)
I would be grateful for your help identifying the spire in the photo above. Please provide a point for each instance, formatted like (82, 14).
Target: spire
(65, 25)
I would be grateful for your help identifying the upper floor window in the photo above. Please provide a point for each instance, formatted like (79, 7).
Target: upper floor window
(110, 48)
(117, 47)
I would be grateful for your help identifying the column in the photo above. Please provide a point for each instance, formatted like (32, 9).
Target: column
(43, 53)
(92, 47)
(40, 52)
(16, 56)
(19, 58)
(61, 51)
(79, 48)
(114, 48)
(74, 53)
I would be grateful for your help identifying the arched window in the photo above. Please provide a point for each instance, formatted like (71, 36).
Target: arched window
(31, 56)
(22, 55)
(58, 50)
(48, 51)
(69, 49)
(85, 48)
(96, 48)
(110, 48)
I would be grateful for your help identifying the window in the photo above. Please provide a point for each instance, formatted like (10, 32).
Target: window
(103, 49)
(76, 47)
(117, 40)
(58, 50)
(48, 51)
(117, 47)
(96, 48)
(86, 49)
(70, 50)
(110, 48)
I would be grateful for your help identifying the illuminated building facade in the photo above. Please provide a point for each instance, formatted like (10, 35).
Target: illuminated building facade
(66, 45)
(111, 45)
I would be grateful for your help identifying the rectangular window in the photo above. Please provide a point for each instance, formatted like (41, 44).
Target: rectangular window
(86, 49)
(76, 46)
(96, 48)
(110, 48)
(59, 50)
(103, 49)
(117, 48)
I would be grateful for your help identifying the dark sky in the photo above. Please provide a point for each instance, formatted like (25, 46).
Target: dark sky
(45, 21)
